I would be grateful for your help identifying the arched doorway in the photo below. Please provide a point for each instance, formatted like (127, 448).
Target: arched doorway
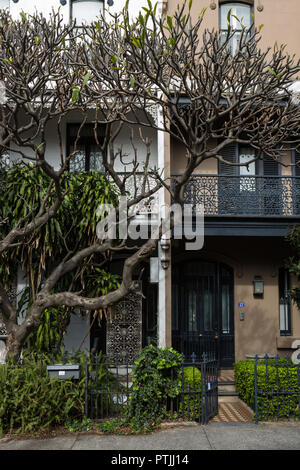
(202, 312)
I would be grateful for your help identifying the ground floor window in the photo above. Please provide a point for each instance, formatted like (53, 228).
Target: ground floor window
(88, 154)
(284, 303)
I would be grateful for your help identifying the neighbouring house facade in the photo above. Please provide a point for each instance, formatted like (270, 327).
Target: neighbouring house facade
(231, 296)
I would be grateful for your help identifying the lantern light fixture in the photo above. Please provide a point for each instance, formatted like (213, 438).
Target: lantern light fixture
(258, 286)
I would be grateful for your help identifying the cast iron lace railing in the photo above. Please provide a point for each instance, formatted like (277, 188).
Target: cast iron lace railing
(257, 196)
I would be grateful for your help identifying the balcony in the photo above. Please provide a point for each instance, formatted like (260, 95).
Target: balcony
(245, 196)
(246, 205)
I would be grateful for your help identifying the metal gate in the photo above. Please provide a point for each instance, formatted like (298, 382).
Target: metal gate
(198, 400)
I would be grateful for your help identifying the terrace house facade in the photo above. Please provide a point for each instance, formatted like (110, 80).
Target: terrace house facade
(231, 296)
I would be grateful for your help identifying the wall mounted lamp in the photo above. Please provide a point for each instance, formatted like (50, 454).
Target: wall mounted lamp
(260, 7)
(165, 244)
(258, 286)
(164, 263)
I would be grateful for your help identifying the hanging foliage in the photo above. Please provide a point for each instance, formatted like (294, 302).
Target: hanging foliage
(72, 228)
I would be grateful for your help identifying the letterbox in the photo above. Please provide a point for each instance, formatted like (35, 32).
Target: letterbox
(63, 371)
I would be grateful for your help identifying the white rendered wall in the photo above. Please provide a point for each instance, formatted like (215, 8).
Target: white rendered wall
(46, 6)
(122, 142)
(31, 6)
(4, 3)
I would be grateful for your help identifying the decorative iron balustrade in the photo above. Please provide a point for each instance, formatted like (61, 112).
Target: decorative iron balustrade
(134, 186)
(257, 196)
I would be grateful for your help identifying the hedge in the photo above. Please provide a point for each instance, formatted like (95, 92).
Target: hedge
(191, 403)
(277, 387)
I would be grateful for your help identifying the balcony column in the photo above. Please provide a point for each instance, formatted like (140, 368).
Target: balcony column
(164, 253)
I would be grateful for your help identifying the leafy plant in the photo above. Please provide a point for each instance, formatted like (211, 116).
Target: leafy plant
(110, 426)
(74, 226)
(74, 425)
(155, 380)
(32, 402)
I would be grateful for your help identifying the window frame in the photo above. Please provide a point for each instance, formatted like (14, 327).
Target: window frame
(294, 162)
(86, 141)
(237, 168)
(283, 274)
(224, 3)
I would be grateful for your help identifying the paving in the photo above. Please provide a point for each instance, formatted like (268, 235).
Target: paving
(214, 436)
(233, 412)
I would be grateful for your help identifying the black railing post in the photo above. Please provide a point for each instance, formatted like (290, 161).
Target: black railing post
(86, 382)
(204, 389)
(255, 390)
(182, 385)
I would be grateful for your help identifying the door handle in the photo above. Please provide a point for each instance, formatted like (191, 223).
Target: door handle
(216, 337)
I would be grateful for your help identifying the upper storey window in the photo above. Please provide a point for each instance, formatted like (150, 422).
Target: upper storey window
(86, 11)
(239, 16)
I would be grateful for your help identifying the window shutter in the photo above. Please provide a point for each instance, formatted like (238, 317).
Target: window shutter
(229, 153)
(270, 166)
(297, 162)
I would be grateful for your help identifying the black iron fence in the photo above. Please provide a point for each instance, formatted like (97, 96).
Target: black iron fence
(276, 389)
(108, 386)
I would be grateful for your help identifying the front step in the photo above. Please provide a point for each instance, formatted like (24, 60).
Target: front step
(226, 387)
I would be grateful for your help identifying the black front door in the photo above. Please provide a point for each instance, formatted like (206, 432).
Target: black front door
(203, 310)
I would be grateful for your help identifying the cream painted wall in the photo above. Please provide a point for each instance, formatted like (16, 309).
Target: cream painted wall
(280, 19)
(259, 332)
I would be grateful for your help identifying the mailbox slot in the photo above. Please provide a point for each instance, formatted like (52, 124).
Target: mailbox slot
(63, 371)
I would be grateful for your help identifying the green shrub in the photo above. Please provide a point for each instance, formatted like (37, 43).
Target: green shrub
(190, 402)
(110, 426)
(155, 380)
(270, 382)
(74, 425)
(32, 402)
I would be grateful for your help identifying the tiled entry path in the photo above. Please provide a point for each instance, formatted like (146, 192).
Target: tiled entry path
(231, 408)
(234, 412)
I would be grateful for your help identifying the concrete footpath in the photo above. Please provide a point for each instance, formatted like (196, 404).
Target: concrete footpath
(214, 436)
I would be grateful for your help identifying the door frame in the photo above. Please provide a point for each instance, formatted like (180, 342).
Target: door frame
(216, 342)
